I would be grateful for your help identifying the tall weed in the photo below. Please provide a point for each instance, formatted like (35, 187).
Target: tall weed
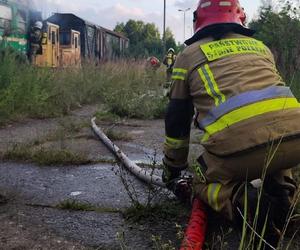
(125, 87)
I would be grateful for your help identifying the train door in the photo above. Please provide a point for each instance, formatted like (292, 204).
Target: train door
(50, 46)
(70, 53)
(101, 45)
(104, 47)
(76, 47)
(54, 47)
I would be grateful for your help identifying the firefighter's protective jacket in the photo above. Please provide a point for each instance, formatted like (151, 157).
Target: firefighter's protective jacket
(35, 36)
(241, 101)
(169, 60)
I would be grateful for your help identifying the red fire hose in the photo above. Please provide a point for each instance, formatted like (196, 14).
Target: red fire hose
(195, 232)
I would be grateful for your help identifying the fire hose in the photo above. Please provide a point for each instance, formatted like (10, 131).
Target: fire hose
(195, 232)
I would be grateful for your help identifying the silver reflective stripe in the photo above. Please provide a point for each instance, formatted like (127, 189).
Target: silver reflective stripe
(225, 3)
(211, 85)
(206, 4)
(244, 99)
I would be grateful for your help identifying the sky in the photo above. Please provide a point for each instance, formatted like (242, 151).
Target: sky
(108, 13)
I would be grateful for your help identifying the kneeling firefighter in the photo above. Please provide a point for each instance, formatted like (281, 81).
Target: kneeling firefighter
(250, 120)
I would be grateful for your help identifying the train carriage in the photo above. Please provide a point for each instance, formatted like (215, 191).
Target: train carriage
(97, 43)
(66, 39)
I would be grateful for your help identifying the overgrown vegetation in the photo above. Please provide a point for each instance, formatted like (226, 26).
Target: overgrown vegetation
(154, 202)
(125, 87)
(116, 135)
(84, 206)
(44, 157)
(40, 150)
(151, 205)
(167, 210)
(106, 116)
(278, 26)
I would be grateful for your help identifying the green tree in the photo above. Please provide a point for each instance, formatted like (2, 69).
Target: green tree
(279, 28)
(170, 41)
(145, 39)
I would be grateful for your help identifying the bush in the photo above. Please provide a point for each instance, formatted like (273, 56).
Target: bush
(138, 95)
(280, 31)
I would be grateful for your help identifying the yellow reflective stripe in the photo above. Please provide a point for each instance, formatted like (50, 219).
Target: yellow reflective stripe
(212, 195)
(206, 85)
(227, 47)
(205, 137)
(211, 85)
(180, 70)
(174, 143)
(220, 95)
(197, 168)
(248, 112)
(179, 74)
(177, 77)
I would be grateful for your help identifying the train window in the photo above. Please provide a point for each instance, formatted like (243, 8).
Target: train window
(53, 36)
(44, 38)
(21, 22)
(5, 12)
(65, 38)
(49, 34)
(5, 18)
(76, 42)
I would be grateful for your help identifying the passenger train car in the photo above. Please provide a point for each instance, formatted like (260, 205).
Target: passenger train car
(97, 43)
(67, 38)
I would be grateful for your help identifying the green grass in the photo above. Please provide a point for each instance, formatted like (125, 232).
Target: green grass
(64, 157)
(167, 210)
(107, 116)
(84, 206)
(44, 157)
(115, 135)
(124, 87)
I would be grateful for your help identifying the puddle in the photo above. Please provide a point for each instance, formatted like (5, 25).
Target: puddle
(75, 193)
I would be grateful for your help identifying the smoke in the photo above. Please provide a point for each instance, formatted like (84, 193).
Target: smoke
(30, 3)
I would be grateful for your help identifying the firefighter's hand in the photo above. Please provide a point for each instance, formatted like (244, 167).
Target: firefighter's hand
(169, 175)
(182, 188)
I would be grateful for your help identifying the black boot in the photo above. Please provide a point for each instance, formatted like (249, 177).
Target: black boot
(261, 221)
(282, 197)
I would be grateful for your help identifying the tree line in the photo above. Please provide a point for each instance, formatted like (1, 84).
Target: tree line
(277, 25)
(145, 39)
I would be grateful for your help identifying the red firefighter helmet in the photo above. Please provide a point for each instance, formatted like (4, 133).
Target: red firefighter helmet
(211, 12)
(154, 61)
